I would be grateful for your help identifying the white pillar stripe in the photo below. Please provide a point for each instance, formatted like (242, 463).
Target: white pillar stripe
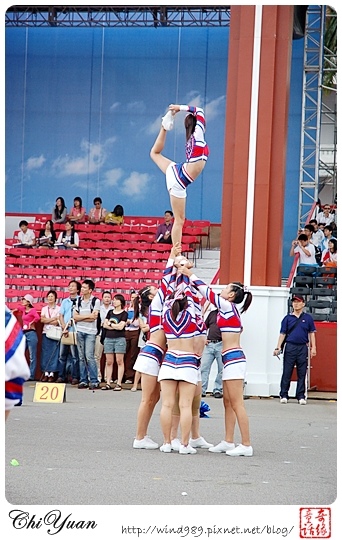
(252, 145)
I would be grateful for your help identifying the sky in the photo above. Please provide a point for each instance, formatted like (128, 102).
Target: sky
(84, 105)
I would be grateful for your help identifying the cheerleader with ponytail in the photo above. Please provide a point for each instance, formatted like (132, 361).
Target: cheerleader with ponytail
(233, 358)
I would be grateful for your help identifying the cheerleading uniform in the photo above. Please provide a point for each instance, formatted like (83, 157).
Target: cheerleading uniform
(228, 321)
(151, 355)
(196, 149)
(180, 365)
(16, 367)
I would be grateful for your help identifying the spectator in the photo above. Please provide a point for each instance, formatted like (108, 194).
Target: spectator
(86, 313)
(29, 319)
(317, 235)
(326, 216)
(297, 337)
(116, 217)
(115, 341)
(69, 238)
(47, 236)
(106, 305)
(212, 351)
(329, 256)
(328, 235)
(16, 368)
(26, 236)
(59, 213)
(97, 214)
(309, 231)
(50, 348)
(305, 249)
(163, 234)
(65, 318)
(77, 213)
(132, 332)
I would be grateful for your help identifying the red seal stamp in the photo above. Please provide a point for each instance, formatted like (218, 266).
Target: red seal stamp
(315, 522)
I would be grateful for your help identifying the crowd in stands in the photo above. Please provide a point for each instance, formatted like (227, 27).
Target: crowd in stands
(316, 271)
(69, 237)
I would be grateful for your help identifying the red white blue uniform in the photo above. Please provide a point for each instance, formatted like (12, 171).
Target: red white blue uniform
(228, 320)
(150, 357)
(17, 370)
(196, 149)
(180, 365)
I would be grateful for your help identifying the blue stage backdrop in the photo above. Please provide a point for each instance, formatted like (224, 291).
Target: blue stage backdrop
(84, 105)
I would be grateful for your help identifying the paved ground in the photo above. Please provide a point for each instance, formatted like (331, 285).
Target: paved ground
(80, 453)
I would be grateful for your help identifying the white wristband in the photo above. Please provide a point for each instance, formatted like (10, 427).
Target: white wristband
(183, 107)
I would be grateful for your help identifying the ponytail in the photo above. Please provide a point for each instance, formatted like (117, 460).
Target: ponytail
(178, 305)
(190, 122)
(242, 294)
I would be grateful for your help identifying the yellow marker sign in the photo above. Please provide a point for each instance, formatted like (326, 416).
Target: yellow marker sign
(49, 393)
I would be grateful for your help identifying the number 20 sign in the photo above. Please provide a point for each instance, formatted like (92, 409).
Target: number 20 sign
(49, 393)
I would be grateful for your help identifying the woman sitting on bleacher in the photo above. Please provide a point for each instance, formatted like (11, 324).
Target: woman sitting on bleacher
(77, 213)
(59, 213)
(329, 256)
(116, 217)
(47, 236)
(69, 238)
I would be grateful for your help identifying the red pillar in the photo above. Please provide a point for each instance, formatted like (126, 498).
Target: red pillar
(271, 137)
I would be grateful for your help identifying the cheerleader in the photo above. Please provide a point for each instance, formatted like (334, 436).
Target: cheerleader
(196, 440)
(233, 358)
(150, 303)
(180, 175)
(180, 367)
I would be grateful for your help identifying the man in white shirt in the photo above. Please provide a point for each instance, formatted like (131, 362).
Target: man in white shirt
(326, 216)
(305, 249)
(317, 235)
(26, 236)
(85, 314)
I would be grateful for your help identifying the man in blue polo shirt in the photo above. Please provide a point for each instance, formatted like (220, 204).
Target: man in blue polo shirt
(298, 328)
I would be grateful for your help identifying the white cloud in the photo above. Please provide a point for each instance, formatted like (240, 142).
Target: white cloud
(136, 106)
(193, 98)
(114, 106)
(94, 157)
(212, 109)
(136, 184)
(155, 126)
(110, 141)
(81, 184)
(35, 162)
(215, 108)
(112, 177)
